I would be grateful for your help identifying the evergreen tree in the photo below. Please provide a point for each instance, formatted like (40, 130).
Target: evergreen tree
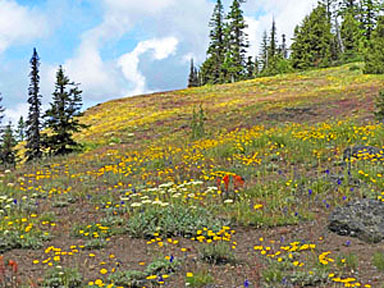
(283, 47)
(351, 37)
(374, 56)
(8, 153)
(62, 116)
(1, 112)
(33, 123)
(237, 43)
(264, 51)
(250, 68)
(329, 7)
(312, 40)
(348, 6)
(193, 80)
(272, 50)
(20, 131)
(256, 66)
(212, 67)
(369, 12)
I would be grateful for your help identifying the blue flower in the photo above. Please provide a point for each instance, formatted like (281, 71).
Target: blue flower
(338, 182)
(246, 283)
(310, 191)
(344, 198)
(171, 259)
(15, 201)
(327, 171)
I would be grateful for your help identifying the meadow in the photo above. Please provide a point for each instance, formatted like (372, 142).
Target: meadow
(246, 205)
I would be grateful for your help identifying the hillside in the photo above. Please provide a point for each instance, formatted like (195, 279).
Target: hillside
(247, 205)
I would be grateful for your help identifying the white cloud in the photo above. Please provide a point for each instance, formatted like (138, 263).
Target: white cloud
(19, 24)
(129, 63)
(13, 114)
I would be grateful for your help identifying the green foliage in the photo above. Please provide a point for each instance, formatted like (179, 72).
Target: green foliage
(379, 107)
(349, 261)
(175, 220)
(374, 57)
(217, 253)
(236, 44)
(59, 277)
(8, 152)
(351, 36)
(193, 80)
(33, 123)
(313, 278)
(378, 261)
(274, 273)
(312, 41)
(62, 116)
(129, 278)
(20, 131)
(197, 125)
(200, 279)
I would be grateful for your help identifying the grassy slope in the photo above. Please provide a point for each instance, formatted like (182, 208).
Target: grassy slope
(279, 133)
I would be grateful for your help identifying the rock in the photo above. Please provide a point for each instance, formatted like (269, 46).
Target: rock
(363, 153)
(363, 219)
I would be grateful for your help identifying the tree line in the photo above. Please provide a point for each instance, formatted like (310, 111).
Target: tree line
(47, 132)
(334, 33)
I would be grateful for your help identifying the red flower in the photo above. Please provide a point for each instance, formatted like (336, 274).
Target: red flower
(14, 265)
(218, 183)
(239, 181)
(226, 181)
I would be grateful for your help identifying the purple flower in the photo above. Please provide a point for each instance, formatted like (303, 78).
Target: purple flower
(171, 259)
(296, 213)
(327, 171)
(246, 283)
(327, 205)
(310, 191)
(344, 198)
(338, 182)
(348, 243)
(352, 189)
(15, 201)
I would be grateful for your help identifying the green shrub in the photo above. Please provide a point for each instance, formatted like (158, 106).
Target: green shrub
(378, 261)
(173, 220)
(199, 279)
(59, 277)
(217, 253)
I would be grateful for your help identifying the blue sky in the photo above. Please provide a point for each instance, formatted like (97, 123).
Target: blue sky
(117, 48)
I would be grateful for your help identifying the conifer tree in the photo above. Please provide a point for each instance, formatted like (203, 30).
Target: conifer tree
(1, 112)
(272, 50)
(264, 51)
(62, 116)
(193, 80)
(236, 43)
(20, 131)
(374, 56)
(33, 123)
(311, 45)
(284, 48)
(250, 68)
(212, 67)
(351, 37)
(369, 12)
(8, 152)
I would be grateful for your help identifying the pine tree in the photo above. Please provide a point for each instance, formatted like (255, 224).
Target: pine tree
(374, 56)
(348, 6)
(212, 67)
(33, 123)
(250, 68)
(329, 6)
(236, 43)
(312, 40)
(8, 152)
(272, 50)
(193, 78)
(264, 51)
(1, 112)
(62, 116)
(20, 131)
(369, 12)
(351, 37)
(284, 48)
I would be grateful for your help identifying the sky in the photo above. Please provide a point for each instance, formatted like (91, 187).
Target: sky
(118, 48)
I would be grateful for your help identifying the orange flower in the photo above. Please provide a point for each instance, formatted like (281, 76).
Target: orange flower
(239, 181)
(226, 181)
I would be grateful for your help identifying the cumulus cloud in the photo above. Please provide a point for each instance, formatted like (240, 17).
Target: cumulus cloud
(19, 24)
(129, 63)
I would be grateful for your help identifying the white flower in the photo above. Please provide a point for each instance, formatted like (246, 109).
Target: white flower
(136, 204)
(228, 201)
(146, 201)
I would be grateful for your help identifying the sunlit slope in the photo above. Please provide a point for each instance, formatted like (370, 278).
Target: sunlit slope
(302, 97)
